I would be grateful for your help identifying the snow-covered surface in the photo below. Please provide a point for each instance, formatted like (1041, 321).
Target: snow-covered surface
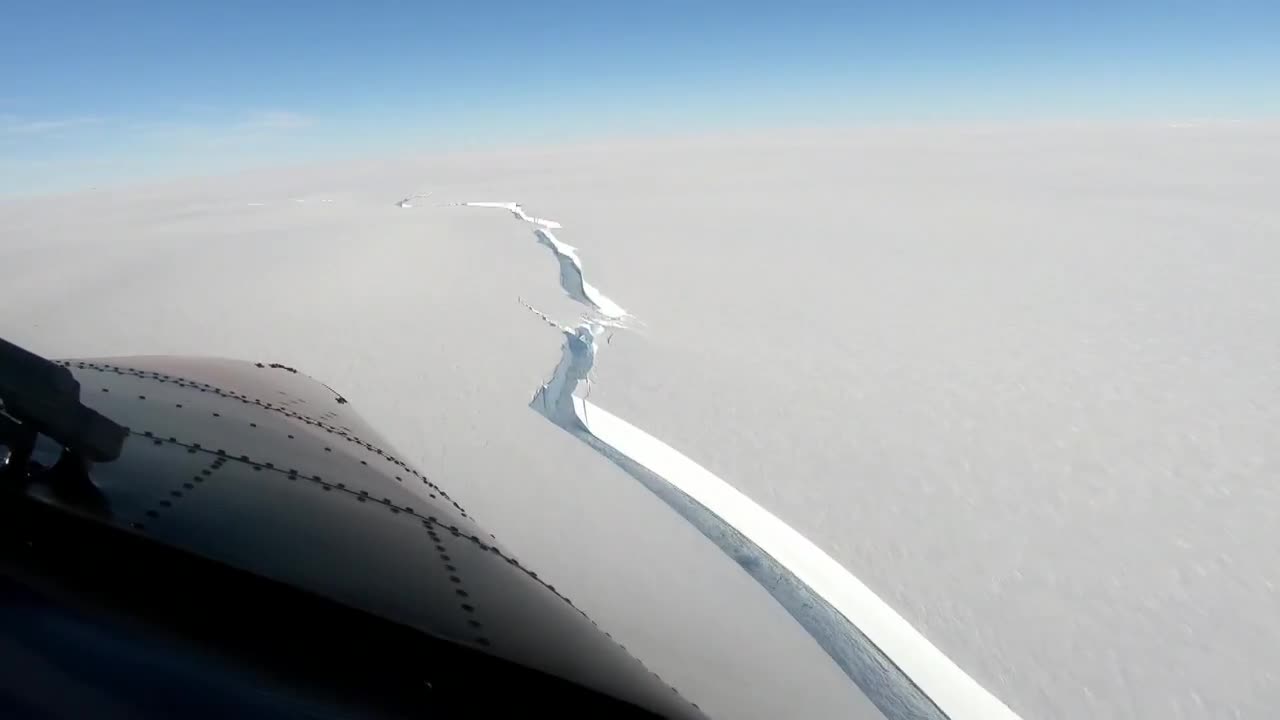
(408, 201)
(943, 684)
(571, 273)
(900, 671)
(1022, 383)
(517, 210)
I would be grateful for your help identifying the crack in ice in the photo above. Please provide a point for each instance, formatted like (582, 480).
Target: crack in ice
(897, 668)
(408, 202)
(572, 276)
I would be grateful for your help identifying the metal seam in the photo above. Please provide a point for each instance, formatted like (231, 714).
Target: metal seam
(164, 505)
(427, 520)
(334, 430)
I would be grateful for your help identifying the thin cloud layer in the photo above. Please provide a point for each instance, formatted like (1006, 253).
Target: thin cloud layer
(15, 125)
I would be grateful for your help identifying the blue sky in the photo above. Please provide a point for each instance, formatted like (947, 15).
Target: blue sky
(115, 91)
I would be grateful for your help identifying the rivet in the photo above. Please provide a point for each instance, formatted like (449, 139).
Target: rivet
(474, 623)
(106, 390)
(191, 450)
(440, 548)
(222, 452)
(178, 405)
(483, 641)
(159, 441)
(147, 433)
(269, 465)
(361, 498)
(142, 397)
(450, 568)
(173, 439)
(253, 424)
(165, 503)
(152, 513)
(257, 468)
(216, 415)
(328, 449)
(445, 558)
(326, 488)
(460, 592)
(188, 486)
(468, 608)
(290, 437)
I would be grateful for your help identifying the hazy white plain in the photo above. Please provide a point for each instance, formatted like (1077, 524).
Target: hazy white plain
(1024, 383)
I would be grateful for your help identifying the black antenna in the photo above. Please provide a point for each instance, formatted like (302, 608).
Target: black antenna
(44, 397)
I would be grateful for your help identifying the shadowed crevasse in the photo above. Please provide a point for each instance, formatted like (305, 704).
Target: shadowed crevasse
(884, 681)
(572, 278)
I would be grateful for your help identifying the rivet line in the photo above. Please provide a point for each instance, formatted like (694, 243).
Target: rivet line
(205, 387)
(429, 521)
